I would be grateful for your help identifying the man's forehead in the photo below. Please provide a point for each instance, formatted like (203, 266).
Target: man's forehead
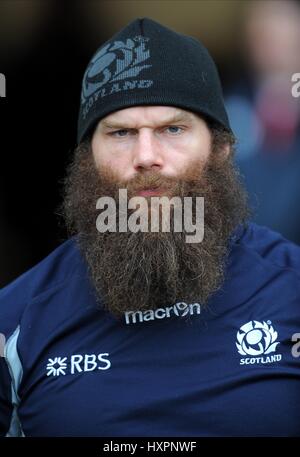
(149, 113)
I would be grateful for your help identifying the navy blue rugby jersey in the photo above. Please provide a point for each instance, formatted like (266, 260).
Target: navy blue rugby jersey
(231, 368)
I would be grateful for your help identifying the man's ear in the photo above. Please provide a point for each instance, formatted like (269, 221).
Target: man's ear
(224, 152)
(227, 150)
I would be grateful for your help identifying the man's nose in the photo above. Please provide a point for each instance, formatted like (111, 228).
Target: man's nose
(147, 153)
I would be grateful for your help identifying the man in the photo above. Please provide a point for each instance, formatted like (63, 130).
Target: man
(133, 332)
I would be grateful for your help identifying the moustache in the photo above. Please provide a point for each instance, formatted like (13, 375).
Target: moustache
(153, 183)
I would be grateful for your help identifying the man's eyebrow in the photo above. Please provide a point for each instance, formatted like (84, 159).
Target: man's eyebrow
(123, 124)
(113, 124)
(179, 118)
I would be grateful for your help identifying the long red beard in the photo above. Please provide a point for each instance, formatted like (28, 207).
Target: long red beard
(144, 270)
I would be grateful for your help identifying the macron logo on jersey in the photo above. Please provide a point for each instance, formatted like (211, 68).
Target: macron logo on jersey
(77, 364)
(179, 309)
(257, 339)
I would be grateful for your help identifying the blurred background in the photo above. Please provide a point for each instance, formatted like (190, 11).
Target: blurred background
(45, 46)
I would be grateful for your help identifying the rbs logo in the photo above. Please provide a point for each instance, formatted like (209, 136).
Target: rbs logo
(77, 364)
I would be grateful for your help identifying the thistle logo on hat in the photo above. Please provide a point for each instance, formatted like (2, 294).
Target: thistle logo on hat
(147, 63)
(115, 62)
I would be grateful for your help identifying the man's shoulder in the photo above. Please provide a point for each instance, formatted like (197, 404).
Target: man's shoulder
(52, 272)
(263, 273)
(270, 247)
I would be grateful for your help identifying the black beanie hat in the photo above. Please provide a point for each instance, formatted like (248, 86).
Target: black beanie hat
(149, 64)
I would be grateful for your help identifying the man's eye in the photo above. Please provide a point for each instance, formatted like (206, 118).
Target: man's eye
(120, 133)
(174, 129)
